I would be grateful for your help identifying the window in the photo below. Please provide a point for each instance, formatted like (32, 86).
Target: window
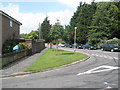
(10, 23)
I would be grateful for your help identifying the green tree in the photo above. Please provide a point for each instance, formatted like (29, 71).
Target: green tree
(45, 29)
(56, 33)
(82, 19)
(114, 14)
(23, 35)
(67, 36)
(33, 35)
(104, 23)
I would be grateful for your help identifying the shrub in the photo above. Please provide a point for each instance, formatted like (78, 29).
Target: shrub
(8, 46)
(23, 46)
(115, 42)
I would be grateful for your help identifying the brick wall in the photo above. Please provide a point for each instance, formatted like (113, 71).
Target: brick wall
(37, 46)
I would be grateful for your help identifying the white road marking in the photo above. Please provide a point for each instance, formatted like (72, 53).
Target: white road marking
(103, 67)
(97, 55)
(100, 56)
(110, 57)
(93, 54)
(104, 56)
(115, 57)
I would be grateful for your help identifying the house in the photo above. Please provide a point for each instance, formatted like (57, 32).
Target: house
(9, 28)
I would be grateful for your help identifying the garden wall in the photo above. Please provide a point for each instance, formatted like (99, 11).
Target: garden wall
(37, 47)
(13, 56)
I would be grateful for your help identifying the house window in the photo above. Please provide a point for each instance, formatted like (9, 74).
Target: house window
(10, 23)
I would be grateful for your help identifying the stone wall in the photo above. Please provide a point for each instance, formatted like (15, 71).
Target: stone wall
(37, 46)
(13, 56)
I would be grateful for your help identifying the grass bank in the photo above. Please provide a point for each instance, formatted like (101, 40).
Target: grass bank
(49, 59)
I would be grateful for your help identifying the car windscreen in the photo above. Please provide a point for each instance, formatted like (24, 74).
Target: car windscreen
(113, 45)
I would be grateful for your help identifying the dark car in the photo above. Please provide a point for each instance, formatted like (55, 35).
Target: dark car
(70, 46)
(110, 47)
(90, 47)
(74, 45)
(67, 45)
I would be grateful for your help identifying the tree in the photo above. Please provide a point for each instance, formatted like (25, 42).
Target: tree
(67, 36)
(56, 33)
(82, 19)
(114, 13)
(23, 35)
(45, 29)
(33, 35)
(104, 23)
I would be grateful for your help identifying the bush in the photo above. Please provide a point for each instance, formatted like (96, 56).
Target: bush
(115, 42)
(8, 46)
(23, 46)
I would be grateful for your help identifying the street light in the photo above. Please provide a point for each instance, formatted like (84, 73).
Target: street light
(75, 39)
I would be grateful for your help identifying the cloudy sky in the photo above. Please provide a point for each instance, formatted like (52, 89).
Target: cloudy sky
(32, 12)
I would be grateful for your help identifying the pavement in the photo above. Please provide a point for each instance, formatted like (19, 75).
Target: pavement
(17, 68)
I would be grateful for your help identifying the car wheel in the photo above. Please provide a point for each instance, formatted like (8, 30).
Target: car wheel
(102, 49)
(112, 50)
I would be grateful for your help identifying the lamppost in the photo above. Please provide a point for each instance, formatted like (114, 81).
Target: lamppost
(75, 40)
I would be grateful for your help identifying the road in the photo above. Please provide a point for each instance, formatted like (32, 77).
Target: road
(99, 71)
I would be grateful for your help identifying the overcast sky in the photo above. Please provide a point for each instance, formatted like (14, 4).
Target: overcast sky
(32, 12)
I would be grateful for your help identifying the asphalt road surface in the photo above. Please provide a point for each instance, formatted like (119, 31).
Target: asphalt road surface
(99, 71)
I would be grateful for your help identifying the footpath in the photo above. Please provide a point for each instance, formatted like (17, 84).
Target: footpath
(19, 66)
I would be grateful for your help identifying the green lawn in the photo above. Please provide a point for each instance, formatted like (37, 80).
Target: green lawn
(49, 59)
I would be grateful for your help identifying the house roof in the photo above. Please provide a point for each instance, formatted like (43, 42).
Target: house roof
(11, 18)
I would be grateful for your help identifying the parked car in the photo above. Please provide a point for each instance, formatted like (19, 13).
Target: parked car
(75, 45)
(110, 47)
(70, 46)
(61, 44)
(90, 47)
(67, 45)
(80, 46)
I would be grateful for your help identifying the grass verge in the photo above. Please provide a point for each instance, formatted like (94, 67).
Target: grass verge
(49, 59)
